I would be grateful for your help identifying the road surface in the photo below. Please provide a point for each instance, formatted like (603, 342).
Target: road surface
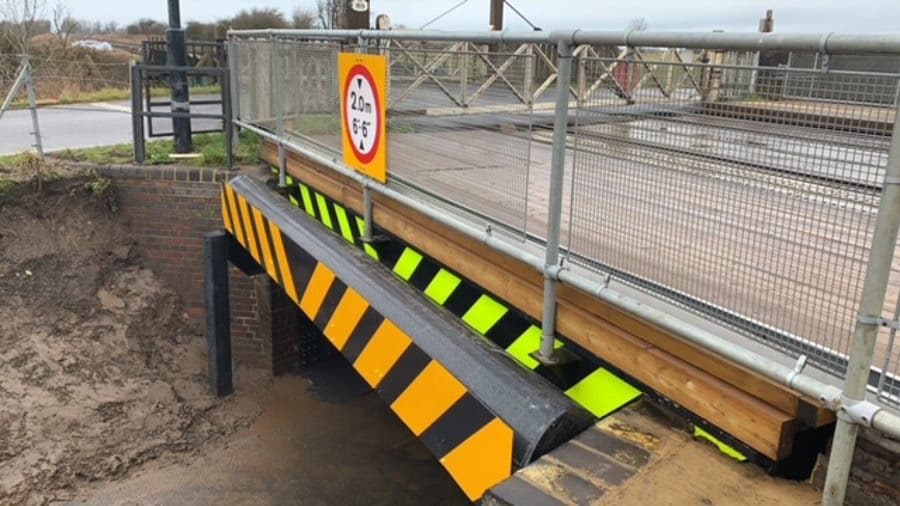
(79, 126)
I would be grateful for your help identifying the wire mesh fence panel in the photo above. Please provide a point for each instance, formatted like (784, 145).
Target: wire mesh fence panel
(306, 74)
(715, 191)
(253, 68)
(826, 85)
(459, 115)
(459, 124)
(886, 360)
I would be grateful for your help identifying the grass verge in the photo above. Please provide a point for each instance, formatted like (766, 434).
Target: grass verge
(28, 169)
(210, 146)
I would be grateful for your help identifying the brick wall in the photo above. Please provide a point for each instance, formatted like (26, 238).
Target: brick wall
(168, 210)
(280, 319)
(875, 473)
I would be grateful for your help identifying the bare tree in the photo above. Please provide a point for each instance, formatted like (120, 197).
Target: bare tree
(637, 25)
(302, 18)
(64, 25)
(332, 13)
(22, 21)
(146, 26)
(263, 17)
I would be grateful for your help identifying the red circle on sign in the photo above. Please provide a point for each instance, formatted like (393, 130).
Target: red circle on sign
(361, 71)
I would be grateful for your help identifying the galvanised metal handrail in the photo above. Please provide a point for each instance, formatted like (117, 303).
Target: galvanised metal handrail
(831, 43)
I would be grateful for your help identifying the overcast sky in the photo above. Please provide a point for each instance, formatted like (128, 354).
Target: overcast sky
(729, 15)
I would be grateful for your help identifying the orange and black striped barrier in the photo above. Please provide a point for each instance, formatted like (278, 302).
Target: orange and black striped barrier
(475, 407)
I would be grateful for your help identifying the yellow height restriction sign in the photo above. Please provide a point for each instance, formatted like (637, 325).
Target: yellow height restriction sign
(363, 118)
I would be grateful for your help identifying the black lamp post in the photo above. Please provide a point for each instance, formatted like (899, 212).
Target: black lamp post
(178, 82)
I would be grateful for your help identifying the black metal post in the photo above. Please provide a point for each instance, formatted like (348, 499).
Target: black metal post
(137, 114)
(497, 15)
(356, 19)
(218, 312)
(227, 113)
(181, 102)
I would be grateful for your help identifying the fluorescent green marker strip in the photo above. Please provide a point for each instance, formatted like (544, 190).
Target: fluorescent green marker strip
(407, 264)
(602, 393)
(484, 314)
(442, 286)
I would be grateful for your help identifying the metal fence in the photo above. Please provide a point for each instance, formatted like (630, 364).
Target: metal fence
(144, 109)
(459, 115)
(721, 195)
(748, 193)
(883, 75)
(692, 173)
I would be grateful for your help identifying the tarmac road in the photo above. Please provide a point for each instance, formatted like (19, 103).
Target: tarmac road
(81, 125)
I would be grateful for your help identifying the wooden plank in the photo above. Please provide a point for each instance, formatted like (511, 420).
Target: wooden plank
(594, 325)
(759, 386)
(756, 423)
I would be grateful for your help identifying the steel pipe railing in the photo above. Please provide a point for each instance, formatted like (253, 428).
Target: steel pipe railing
(830, 43)
(554, 216)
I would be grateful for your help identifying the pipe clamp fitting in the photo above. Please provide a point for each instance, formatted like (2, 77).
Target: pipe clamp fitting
(858, 412)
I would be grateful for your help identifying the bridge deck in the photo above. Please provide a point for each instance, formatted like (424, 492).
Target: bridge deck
(754, 410)
(673, 201)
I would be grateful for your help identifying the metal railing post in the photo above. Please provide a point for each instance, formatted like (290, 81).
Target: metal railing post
(362, 47)
(464, 74)
(137, 114)
(582, 79)
(234, 84)
(14, 91)
(228, 114)
(862, 348)
(528, 85)
(32, 104)
(554, 211)
(276, 87)
(367, 212)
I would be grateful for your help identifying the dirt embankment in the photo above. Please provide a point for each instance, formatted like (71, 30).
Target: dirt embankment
(100, 372)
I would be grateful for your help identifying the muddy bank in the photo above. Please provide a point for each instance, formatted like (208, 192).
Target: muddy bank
(101, 373)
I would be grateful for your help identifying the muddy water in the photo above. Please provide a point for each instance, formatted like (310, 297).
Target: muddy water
(323, 438)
